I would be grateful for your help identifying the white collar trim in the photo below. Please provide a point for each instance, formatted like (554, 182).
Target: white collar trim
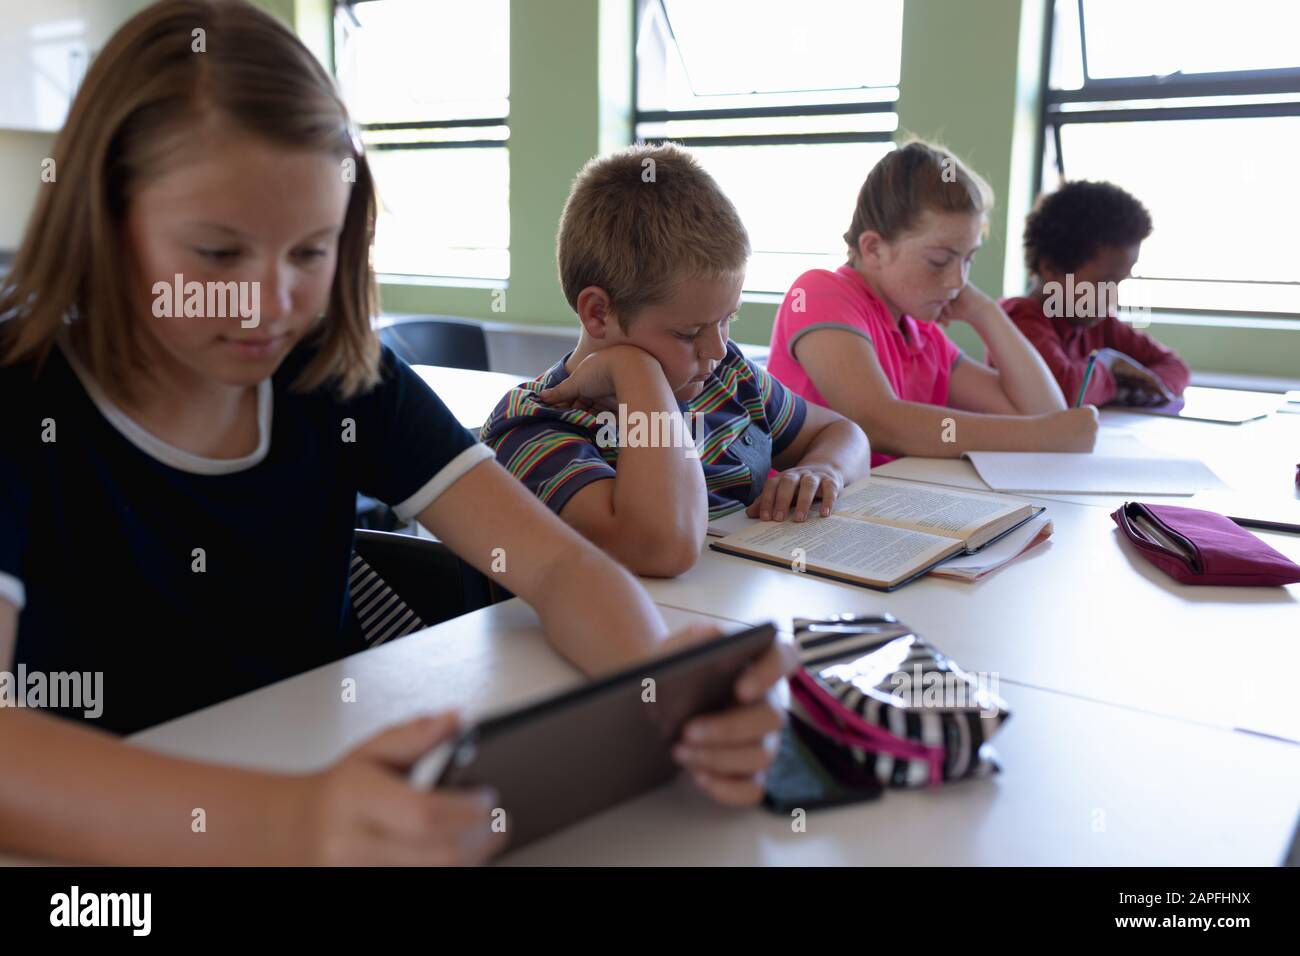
(160, 450)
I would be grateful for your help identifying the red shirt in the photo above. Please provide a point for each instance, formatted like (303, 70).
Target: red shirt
(1066, 347)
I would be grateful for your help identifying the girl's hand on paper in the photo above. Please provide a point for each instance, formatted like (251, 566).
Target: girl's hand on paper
(1069, 430)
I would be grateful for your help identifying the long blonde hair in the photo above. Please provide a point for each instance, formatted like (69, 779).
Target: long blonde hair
(145, 89)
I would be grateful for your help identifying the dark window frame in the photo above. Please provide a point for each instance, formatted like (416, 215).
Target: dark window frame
(1054, 113)
(640, 116)
(345, 6)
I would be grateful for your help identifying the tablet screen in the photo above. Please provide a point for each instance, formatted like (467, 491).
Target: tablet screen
(563, 759)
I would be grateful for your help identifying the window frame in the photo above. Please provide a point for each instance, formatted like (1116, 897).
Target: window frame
(1055, 114)
(641, 117)
(343, 8)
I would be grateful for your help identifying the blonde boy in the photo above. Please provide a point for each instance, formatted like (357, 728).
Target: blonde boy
(656, 422)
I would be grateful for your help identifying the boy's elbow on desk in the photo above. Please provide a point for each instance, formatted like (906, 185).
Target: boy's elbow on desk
(659, 555)
(656, 548)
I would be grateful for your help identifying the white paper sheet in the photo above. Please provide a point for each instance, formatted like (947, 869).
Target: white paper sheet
(1063, 473)
(968, 567)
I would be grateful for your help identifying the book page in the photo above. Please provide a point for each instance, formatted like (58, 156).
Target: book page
(923, 508)
(878, 553)
(971, 567)
(729, 524)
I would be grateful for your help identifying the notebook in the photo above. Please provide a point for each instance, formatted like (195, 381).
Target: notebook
(883, 534)
(1027, 472)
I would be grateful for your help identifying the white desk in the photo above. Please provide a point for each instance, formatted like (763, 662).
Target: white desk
(1081, 614)
(1085, 614)
(1085, 783)
(470, 395)
(1119, 753)
(1122, 686)
(1254, 458)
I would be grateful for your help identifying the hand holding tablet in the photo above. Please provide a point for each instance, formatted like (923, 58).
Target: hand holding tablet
(568, 757)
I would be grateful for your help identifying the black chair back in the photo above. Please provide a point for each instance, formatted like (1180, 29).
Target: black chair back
(436, 340)
(426, 574)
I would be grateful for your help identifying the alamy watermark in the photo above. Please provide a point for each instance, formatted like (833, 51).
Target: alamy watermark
(658, 429)
(75, 908)
(208, 300)
(945, 690)
(1093, 300)
(59, 690)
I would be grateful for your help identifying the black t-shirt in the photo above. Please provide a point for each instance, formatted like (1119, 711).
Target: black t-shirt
(188, 580)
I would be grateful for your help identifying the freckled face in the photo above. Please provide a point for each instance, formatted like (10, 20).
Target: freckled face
(923, 270)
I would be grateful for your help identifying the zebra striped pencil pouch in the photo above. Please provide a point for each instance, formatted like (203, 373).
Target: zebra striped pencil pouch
(905, 712)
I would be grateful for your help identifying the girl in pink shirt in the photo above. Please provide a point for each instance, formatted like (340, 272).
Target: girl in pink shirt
(867, 340)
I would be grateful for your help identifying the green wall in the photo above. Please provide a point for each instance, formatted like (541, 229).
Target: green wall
(555, 126)
(969, 78)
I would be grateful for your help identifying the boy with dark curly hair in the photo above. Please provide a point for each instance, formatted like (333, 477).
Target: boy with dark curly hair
(1080, 243)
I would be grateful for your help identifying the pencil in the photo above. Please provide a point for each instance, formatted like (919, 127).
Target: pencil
(1087, 377)
(1281, 526)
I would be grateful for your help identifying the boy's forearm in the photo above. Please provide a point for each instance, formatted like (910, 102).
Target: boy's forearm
(658, 489)
(1026, 380)
(75, 794)
(1142, 348)
(842, 446)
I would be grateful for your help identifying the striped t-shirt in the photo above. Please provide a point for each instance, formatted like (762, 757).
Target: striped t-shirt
(739, 421)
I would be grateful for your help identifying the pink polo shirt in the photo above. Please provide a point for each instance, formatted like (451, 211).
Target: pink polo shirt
(916, 357)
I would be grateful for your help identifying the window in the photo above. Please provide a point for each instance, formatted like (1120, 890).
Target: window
(1194, 107)
(428, 81)
(787, 105)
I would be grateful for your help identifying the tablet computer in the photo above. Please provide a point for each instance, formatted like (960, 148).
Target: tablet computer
(1203, 404)
(560, 760)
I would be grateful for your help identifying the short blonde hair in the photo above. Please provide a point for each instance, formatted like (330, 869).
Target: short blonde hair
(905, 183)
(639, 221)
(144, 91)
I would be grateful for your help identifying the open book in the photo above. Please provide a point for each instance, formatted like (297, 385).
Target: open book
(884, 532)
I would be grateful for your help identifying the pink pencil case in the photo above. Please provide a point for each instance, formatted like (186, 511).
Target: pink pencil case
(894, 705)
(1202, 547)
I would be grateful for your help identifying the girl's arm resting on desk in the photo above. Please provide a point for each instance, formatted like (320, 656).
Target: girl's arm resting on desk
(76, 794)
(600, 618)
(1022, 384)
(73, 793)
(844, 368)
(592, 609)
